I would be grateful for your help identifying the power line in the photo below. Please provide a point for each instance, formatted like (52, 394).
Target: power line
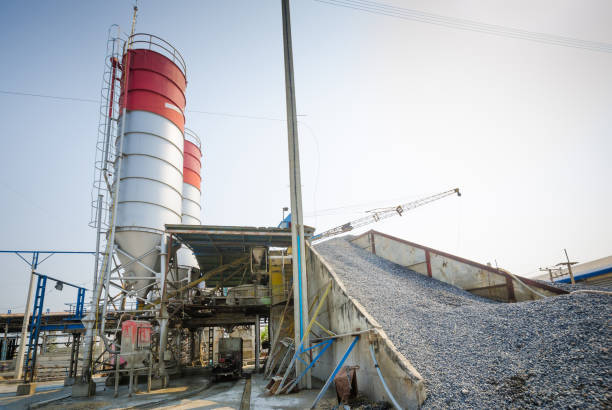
(54, 97)
(470, 25)
(57, 97)
(227, 114)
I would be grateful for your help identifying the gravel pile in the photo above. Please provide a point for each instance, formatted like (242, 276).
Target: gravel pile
(476, 353)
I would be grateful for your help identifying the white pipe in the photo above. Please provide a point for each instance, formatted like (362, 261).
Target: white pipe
(524, 284)
(599, 292)
(382, 380)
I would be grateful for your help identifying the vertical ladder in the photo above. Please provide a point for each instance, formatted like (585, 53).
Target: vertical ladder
(30, 364)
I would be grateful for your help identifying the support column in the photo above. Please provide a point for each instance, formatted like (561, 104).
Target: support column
(257, 343)
(43, 347)
(300, 304)
(191, 346)
(5, 342)
(26, 320)
(178, 341)
(163, 312)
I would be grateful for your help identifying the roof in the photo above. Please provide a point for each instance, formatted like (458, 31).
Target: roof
(215, 246)
(15, 320)
(584, 270)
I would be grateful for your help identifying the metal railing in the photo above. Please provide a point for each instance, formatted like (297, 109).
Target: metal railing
(193, 138)
(152, 42)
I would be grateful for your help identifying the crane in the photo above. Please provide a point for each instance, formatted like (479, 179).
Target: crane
(383, 213)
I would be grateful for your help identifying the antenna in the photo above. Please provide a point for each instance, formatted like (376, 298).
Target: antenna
(134, 18)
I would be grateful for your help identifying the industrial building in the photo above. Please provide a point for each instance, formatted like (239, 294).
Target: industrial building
(173, 292)
(597, 272)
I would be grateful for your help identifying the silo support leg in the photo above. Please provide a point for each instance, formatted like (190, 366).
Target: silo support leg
(163, 313)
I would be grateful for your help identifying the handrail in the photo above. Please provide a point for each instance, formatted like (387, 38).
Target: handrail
(193, 138)
(139, 39)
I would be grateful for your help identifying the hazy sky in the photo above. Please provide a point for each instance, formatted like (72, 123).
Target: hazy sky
(392, 110)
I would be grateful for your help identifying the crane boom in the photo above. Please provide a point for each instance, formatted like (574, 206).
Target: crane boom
(384, 213)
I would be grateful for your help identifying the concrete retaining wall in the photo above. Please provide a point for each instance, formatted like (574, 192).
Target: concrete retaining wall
(342, 314)
(482, 280)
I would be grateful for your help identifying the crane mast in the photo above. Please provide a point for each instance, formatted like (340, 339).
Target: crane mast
(383, 213)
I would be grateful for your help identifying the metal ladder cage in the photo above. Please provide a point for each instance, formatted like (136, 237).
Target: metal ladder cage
(105, 156)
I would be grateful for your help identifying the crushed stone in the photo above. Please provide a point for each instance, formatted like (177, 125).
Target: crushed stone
(477, 353)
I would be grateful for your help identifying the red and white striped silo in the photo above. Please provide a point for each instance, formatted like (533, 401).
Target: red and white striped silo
(151, 187)
(192, 209)
(192, 179)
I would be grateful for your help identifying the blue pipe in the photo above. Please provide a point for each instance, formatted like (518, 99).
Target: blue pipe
(334, 373)
(300, 285)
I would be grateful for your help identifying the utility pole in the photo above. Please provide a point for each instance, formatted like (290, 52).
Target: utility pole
(569, 267)
(26, 320)
(300, 290)
(549, 270)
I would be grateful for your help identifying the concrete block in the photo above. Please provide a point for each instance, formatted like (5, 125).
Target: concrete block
(84, 389)
(26, 389)
(159, 383)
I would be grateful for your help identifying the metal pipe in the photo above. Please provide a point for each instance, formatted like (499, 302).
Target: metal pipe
(98, 229)
(382, 380)
(334, 373)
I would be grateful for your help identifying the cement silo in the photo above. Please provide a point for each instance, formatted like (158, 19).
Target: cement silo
(192, 179)
(150, 191)
(192, 182)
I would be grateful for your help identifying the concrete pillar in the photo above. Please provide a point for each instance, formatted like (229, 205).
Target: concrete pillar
(5, 343)
(26, 320)
(43, 347)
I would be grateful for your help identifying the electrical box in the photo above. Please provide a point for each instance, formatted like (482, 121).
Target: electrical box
(135, 340)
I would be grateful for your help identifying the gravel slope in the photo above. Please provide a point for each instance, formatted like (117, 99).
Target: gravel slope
(475, 353)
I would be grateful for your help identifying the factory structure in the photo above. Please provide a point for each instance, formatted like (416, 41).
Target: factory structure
(172, 293)
(597, 272)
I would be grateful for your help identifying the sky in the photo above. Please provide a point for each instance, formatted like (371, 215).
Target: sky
(391, 110)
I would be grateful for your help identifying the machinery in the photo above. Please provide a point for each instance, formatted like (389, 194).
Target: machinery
(383, 213)
(229, 361)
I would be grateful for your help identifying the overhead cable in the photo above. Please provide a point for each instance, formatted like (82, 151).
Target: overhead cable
(464, 24)
(222, 114)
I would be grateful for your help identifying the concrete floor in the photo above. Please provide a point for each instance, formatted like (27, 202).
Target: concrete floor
(228, 395)
(44, 391)
(221, 396)
(299, 400)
